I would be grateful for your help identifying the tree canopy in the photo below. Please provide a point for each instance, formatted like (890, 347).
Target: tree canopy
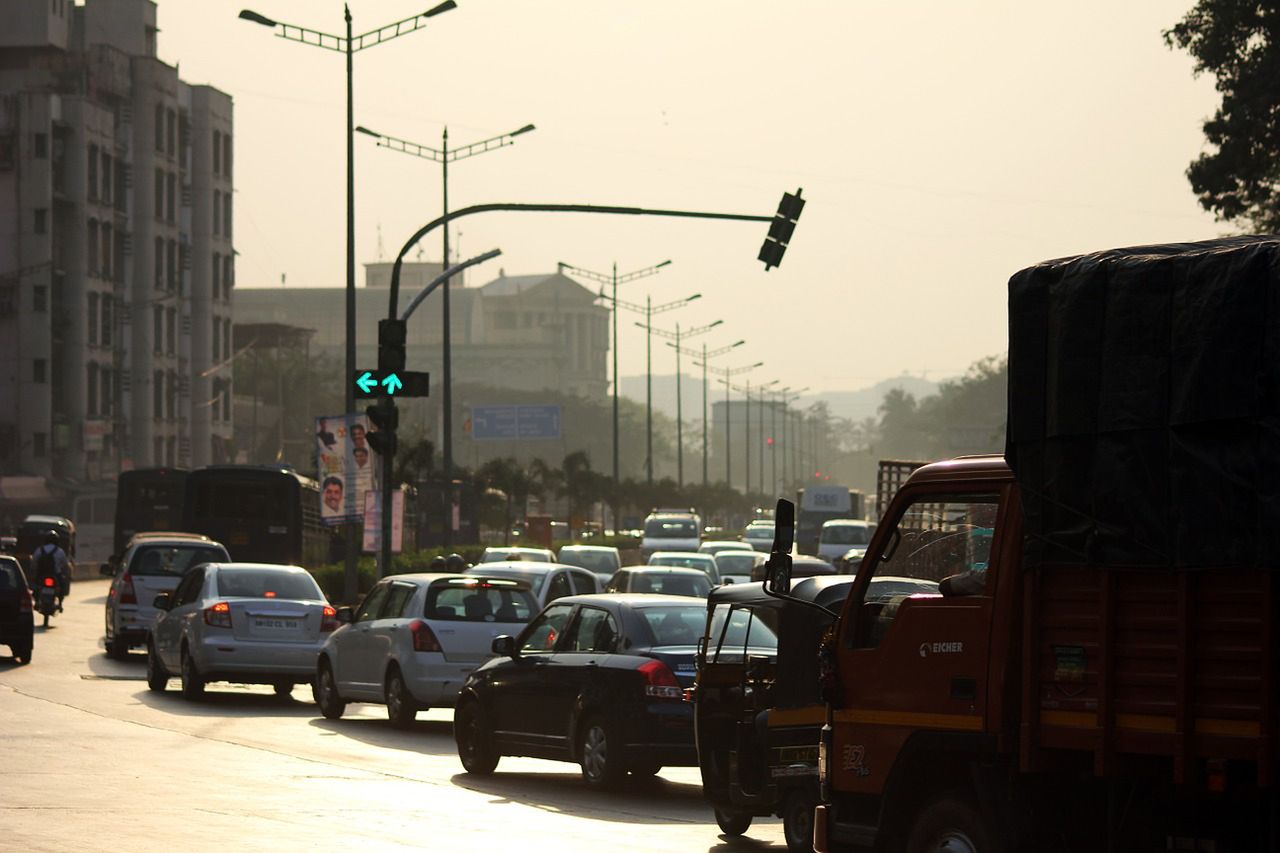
(1236, 42)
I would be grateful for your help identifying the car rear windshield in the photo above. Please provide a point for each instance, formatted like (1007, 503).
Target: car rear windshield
(671, 583)
(479, 602)
(846, 534)
(267, 583)
(600, 562)
(10, 576)
(671, 528)
(759, 531)
(674, 624)
(172, 560)
(736, 562)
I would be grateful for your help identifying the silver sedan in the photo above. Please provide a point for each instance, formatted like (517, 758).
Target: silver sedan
(250, 623)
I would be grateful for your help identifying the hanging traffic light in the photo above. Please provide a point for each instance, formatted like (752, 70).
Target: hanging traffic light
(385, 418)
(391, 338)
(781, 229)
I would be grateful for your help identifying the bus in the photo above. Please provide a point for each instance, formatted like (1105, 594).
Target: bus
(94, 514)
(147, 499)
(261, 513)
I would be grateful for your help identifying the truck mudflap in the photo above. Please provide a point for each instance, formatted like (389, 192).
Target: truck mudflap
(820, 844)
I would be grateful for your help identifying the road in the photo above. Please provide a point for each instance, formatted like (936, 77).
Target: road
(93, 760)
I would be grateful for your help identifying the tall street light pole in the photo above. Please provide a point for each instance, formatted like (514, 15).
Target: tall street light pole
(349, 46)
(444, 156)
(648, 309)
(727, 374)
(688, 333)
(615, 280)
(706, 356)
(760, 418)
(789, 396)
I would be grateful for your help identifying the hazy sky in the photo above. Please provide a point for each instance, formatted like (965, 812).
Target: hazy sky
(941, 146)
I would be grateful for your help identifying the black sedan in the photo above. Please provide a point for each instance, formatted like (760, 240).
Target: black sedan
(595, 679)
(16, 619)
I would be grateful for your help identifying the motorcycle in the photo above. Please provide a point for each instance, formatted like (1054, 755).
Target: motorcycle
(47, 601)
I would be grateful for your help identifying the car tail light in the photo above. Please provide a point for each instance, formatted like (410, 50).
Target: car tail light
(48, 582)
(328, 619)
(424, 639)
(218, 615)
(127, 593)
(659, 681)
(25, 605)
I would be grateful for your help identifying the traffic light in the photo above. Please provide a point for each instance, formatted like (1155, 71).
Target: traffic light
(769, 441)
(391, 338)
(781, 229)
(385, 417)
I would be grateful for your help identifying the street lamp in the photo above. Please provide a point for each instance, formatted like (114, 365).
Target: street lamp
(615, 280)
(706, 356)
(789, 395)
(728, 373)
(444, 156)
(648, 309)
(349, 45)
(760, 418)
(688, 333)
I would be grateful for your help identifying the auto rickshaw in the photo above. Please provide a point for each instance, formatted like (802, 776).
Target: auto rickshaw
(758, 712)
(32, 533)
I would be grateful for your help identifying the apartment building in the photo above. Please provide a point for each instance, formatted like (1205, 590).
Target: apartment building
(116, 248)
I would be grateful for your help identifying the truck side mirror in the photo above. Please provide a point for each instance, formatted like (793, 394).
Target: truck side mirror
(777, 578)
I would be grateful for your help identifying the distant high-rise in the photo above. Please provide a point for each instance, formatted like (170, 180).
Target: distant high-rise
(116, 256)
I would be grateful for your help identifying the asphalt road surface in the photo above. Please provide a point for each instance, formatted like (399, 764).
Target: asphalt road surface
(92, 760)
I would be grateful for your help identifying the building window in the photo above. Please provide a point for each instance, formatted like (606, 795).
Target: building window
(93, 319)
(159, 445)
(226, 400)
(170, 196)
(91, 387)
(157, 329)
(40, 298)
(217, 152)
(106, 399)
(38, 444)
(171, 397)
(92, 269)
(226, 155)
(108, 263)
(93, 173)
(159, 263)
(217, 212)
(171, 132)
(107, 319)
(159, 214)
(38, 370)
(171, 264)
(42, 220)
(171, 456)
(159, 127)
(226, 216)
(170, 324)
(226, 337)
(228, 276)
(217, 339)
(157, 397)
(217, 274)
(41, 146)
(108, 177)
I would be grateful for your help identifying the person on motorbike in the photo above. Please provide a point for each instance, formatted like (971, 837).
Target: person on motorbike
(455, 563)
(49, 560)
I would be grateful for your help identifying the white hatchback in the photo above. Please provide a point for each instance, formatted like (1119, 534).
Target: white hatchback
(414, 640)
(547, 581)
(249, 623)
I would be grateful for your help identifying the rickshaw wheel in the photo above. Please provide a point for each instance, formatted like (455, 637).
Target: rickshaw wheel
(733, 823)
(797, 821)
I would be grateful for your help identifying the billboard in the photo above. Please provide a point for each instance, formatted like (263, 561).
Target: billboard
(373, 522)
(498, 423)
(346, 465)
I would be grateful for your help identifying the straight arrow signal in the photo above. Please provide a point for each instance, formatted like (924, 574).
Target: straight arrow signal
(366, 383)
(392, 383)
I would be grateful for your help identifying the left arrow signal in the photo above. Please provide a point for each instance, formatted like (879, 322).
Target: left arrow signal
(366, 383)
(392, 383)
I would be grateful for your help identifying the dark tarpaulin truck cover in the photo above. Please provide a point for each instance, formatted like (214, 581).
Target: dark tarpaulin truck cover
(1144, 405)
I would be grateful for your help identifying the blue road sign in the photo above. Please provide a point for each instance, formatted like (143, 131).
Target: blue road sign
(497, 423)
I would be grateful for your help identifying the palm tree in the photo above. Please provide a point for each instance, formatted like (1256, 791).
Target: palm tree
(513, 481)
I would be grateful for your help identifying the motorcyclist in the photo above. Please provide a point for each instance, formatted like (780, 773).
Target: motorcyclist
(455, 563)
(49, 560)
(437, 564)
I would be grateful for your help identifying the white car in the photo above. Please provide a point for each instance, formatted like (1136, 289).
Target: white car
(547, 581)
(414, 640)
(840, 535)
(671, 531)
(759, 535)
(739, 566)
(716, 546)
(601, 559)
(661, 580)
(249, 623)
(506, 554)
(152, 563)
(688, 560)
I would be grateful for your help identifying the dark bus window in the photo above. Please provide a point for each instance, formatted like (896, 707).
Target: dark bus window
(172, 560)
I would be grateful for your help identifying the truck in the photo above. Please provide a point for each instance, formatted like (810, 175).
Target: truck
(817, 505)
(891, 474)
(1100, 669)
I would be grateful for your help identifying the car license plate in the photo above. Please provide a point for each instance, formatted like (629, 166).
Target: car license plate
(275, 624)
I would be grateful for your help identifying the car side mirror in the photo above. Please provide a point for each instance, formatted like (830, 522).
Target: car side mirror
(503, 646)
(106, 570)
(345, 615)
(777, 572)
(161, 601)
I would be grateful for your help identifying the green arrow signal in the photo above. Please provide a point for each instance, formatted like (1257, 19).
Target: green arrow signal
(392, 383)
(366, 383)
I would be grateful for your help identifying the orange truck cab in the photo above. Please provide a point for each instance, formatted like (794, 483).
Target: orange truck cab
(1101, 668)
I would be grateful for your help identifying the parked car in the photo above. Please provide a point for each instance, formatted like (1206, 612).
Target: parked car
(715, 546)
(595, 679)
(506, 554)
(802, 566)
(688, 560)
(601, 560)
(547, 581)
(738, 566)
(671, 530)
(759, 535)
(414, 640)
(152, 563)
(250, 623)
(840, 535)
(662, 580)
(17, 619)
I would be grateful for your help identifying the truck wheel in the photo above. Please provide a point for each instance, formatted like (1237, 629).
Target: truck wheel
(951, 824)
(733, 823)
(797, 820)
